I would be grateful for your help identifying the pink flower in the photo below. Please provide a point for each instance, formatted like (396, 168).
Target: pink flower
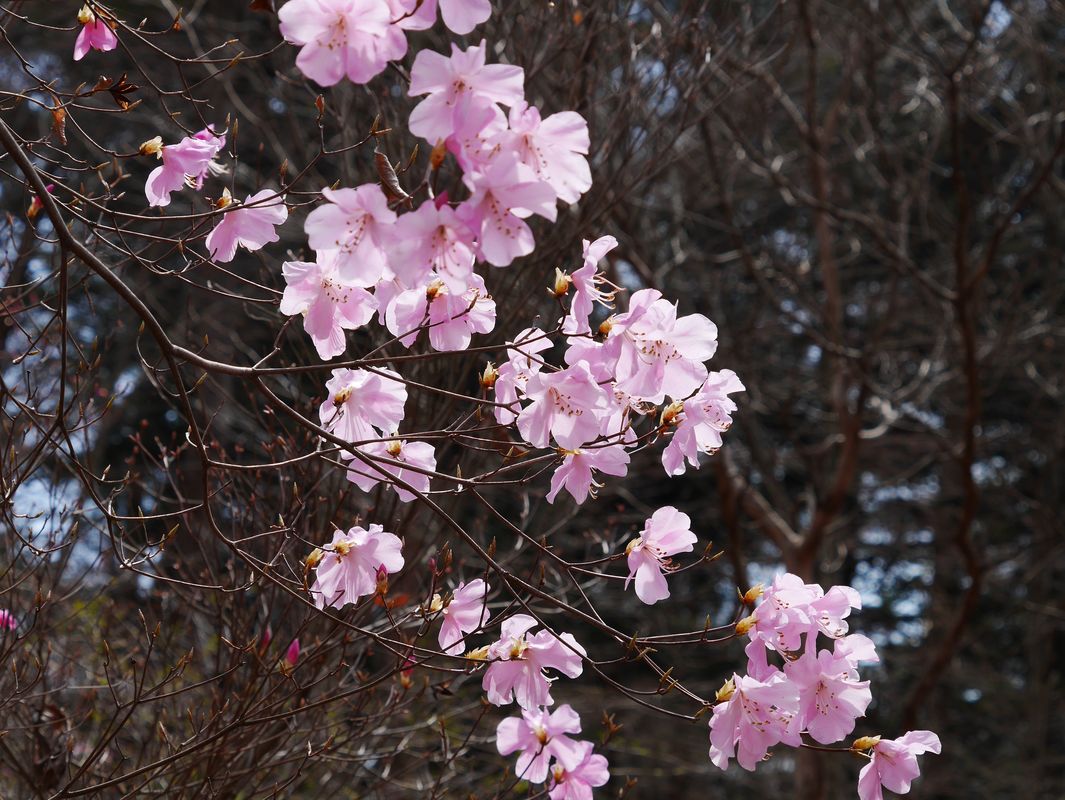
(357, 223)
(753, 716)
(452, 319)
(466, 612)
(329, 305)
(342, 37)
(433, 240)
(540, 736)
(575, 474)
(665, 534)
(186, 163)
(417, 454)
(661, 354)
(503, 194)
(454, 84)
(831, 697)
(791, 608)
(513, 375)
(95, 34)
(7, 620)
(706, 415)
(363, 405)
(460, 16)
(250, 224)
(349, 565)
(478, 136)
(567, 404)
(586, 282)
(577, 783)
(518, 661)
(554, 148)
(894, 764)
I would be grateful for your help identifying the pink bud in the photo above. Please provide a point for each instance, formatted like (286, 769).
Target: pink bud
(293, 653)
(7, 620)
(267, 637)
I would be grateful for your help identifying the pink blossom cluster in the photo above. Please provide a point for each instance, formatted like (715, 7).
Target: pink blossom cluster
(416, 270)
(548, 754)
(816, 692)
(357, 38)
(646, 362)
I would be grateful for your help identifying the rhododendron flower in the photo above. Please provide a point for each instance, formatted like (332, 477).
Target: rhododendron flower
(791, 608)
(539, 736)
(7, 620)
(586, 282)
(250, 224)
(753, 716)
(95, 34)
(577, 783)
(460, 16)
(476, 138)
(894, 764)
(566, 404)
(417, 454)
(513, 375)
(831, 697)
(705, 416)
(329, 305)
(356, 222)
(433, 240)
(186, 163)
(363, 405)
(518, 661)
(661, 354)
(575, 474)
(454, 84)
(502, 196)
(452, 318)
(665, 534)
(465, 612)
(349, 565)
(554, 148)
(342, 37)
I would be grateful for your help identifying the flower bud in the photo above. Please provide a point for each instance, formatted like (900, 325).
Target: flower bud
(292, 655)
(753, 594)
(746, 624)
(865, 743)
(670, 413)
(488, 377)
(437, 155)
(433, 289)
(314, 558)
(479, 654)
(562, 283)
(85, 16)
(152, 147)
(605, 326)
(225, 200)
(724, 694)
(436, 604)
(382, 580)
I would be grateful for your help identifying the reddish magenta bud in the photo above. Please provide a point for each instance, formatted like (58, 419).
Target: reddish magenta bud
(293, 653)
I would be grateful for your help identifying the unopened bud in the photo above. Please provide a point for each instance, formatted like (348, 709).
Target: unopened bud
(671, 412)
(85, 16)
(152, 147)
(746, 624)
(480, 654)
(437, 155)
(382, 580)
(562, 283)
(225, 200)
(314, 558)
(865, 743)
(605, 326)
(488, 377)
(753, 594)
(436, 604)
(292, 655)
(433, 289)
(724, 694)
